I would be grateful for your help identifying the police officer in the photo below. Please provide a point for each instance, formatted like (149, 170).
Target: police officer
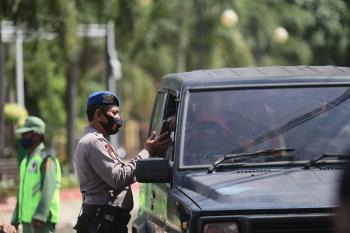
(37, 206)
(104, 178)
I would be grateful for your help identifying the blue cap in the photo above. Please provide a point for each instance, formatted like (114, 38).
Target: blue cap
(102, 98)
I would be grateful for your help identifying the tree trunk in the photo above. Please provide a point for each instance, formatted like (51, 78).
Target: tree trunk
(71, 112)
(182, 38)
(2, 97)
(199, 5)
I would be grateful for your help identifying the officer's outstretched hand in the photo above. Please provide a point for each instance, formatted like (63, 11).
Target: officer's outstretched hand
(159, 145)
(7, 228)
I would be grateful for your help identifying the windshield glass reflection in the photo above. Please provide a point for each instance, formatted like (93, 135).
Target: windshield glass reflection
(311, 120)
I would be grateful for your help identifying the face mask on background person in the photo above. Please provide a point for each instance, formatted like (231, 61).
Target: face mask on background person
(27, 142)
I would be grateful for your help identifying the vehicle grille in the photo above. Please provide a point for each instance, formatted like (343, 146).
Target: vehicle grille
(313, 226)
(254, 171)
(331, 168)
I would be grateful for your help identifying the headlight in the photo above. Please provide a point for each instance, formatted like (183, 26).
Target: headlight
(230, 227)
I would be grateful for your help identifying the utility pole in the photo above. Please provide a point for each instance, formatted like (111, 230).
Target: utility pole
(182, 37)
(113, 68)
(71, 109)
(199, 5)
(19, 68)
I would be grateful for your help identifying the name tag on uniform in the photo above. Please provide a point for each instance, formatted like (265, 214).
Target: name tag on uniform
(34, 167)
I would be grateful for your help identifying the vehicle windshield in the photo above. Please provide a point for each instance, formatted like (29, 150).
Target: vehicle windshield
(312, 120)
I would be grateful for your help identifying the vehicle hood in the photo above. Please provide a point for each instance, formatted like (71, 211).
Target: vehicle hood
(292, 188)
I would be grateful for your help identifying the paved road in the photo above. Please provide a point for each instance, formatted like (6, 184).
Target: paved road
(70, 207)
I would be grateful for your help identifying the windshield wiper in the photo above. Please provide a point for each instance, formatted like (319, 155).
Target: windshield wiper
(314, 161)
(268, 152)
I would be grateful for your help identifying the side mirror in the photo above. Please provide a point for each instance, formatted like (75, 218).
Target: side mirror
(153, 170)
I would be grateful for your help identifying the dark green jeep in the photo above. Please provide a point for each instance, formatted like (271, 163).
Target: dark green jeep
(256, 150)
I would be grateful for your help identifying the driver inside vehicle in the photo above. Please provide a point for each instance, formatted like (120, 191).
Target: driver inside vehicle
(212, 108)
(206, 139)
(206, 129)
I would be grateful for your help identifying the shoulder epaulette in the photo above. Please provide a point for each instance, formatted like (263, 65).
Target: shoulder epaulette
(103, 140)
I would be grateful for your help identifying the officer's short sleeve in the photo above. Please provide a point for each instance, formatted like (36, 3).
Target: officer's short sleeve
(105, 163)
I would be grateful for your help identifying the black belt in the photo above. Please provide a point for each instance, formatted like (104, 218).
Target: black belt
(111, 213)
(91, 209)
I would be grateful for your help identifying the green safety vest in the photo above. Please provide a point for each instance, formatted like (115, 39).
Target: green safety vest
(29, 192)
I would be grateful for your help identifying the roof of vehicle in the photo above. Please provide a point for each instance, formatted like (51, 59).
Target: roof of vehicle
(256, 76)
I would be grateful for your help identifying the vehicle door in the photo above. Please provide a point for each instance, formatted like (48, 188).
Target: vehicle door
(167, 203)
(163, 210)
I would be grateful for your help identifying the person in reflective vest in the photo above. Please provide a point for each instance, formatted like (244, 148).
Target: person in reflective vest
(37, 206)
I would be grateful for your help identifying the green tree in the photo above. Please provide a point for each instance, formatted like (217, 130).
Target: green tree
(157, 37)
(58, 17)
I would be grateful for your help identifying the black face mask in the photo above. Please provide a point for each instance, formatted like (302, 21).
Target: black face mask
(112, 126)
(27, 142)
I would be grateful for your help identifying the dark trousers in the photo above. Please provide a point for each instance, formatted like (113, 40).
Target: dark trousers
(46, 228)
(91, 224)
(102, 219)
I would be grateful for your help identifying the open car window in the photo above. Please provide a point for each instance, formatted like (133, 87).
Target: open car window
(169, 123)
(164, 119)
(157, 114)
(313, 120)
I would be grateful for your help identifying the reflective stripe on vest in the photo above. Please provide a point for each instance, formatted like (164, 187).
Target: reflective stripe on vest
(29, 192)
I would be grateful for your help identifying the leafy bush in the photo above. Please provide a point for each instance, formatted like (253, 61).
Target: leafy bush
(69, 181)
(15, 113)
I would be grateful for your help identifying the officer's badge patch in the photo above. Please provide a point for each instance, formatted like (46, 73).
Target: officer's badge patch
(110, 151)
(34, 167)
(108, 99)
